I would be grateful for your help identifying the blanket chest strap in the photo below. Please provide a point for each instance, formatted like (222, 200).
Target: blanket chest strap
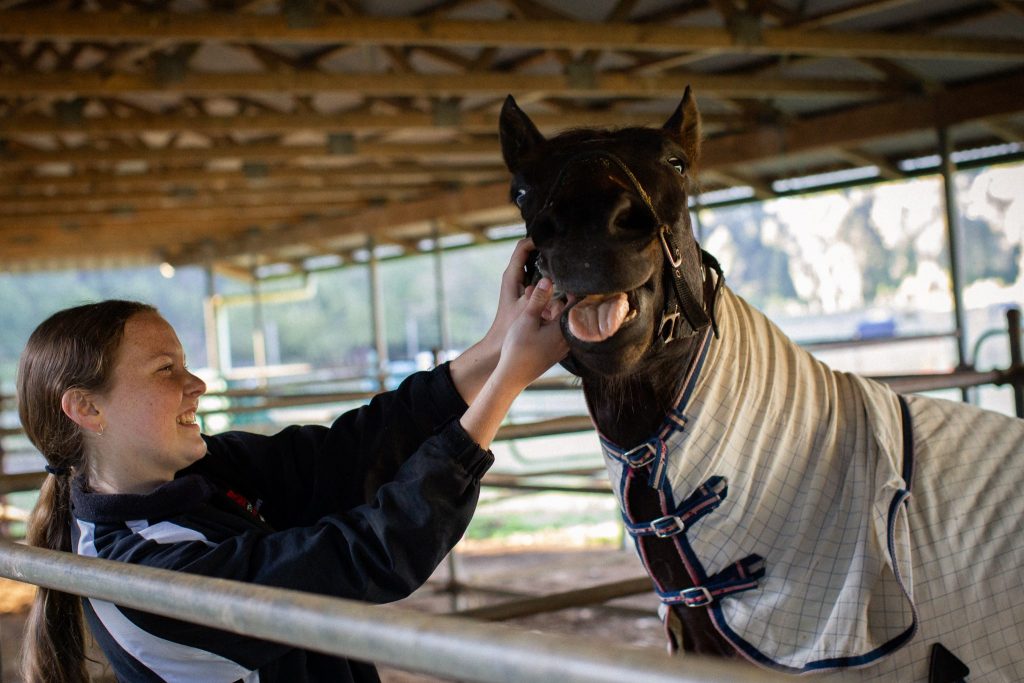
(706, 498)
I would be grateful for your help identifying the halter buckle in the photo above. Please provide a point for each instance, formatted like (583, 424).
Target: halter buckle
(674, 259)
(668, 328)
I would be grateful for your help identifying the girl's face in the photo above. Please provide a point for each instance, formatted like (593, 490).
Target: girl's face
(149, 413)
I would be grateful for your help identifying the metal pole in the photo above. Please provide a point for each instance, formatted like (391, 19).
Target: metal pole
(1013, 320)
(259, 337)
(210, 322)
(954, 238)
(438, 645)
(377, 312)
(443, 328)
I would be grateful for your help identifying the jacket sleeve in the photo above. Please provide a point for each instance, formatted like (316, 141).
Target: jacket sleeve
(305, 472)
(376, 552)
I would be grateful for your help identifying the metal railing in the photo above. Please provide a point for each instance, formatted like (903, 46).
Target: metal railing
(444, 646)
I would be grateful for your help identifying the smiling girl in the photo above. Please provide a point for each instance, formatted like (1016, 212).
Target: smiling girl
(364, 509)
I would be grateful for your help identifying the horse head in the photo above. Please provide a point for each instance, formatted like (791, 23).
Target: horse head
(607, 211)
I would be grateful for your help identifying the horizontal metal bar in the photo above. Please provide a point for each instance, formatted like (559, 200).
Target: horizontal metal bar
(553, 602)
(438, 645)
(28, 481)
(959, 379)
(510, 595)
(530, 483)
(550, 427)
(837, 344)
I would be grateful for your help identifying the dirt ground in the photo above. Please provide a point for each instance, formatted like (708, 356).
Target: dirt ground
(486, 574)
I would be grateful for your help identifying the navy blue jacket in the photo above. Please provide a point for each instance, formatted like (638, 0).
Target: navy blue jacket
(290, 511)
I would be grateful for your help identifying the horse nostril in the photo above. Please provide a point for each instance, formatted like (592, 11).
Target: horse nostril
(542, 227)
(627, 216)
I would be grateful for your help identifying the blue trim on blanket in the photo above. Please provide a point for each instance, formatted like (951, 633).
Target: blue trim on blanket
(675, 419)
(886, 648)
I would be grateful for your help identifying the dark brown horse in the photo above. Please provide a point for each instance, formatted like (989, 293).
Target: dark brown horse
(607, 211)
(805, 519)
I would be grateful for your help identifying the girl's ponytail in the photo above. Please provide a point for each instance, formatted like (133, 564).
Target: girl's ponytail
(53, 650)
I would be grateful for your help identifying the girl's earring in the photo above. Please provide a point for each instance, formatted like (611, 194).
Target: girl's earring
(99, 432)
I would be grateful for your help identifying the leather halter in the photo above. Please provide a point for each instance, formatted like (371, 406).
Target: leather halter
(685, 306)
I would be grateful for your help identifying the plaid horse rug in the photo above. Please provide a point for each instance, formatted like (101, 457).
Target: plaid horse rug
(832, 526)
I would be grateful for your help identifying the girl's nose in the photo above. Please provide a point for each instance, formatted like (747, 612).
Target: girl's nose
(196, 386)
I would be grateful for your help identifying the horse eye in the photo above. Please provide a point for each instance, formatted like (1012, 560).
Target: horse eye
(678, 164)
(520, 197)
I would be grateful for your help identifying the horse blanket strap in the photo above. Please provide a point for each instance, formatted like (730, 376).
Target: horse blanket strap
(653, 452)
(705, 499)
(740, 576)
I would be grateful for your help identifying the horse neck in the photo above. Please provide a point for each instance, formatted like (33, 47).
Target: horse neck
(628, 409)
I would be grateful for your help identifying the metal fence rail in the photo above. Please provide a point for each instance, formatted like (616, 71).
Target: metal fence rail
(441, 646)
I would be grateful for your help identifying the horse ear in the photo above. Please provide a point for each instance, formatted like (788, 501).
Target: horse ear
(518, 134)
(683, 127)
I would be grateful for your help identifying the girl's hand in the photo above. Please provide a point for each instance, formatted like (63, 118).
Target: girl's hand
(532, 344)
(512, 296)
(534, 341)
(473, 367)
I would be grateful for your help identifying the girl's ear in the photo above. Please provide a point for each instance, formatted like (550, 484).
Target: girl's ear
(79, 406)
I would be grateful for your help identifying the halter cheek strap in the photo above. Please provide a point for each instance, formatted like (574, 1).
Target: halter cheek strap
(685, 307)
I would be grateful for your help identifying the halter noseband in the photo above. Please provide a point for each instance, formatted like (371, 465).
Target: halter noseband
(685, 305)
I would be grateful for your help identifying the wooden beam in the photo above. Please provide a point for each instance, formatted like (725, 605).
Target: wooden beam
(762, 189)
(886, 169)
(1005, 130)
(429, 85)
(855, 11)
(169, 220)
(378, 222)
(1011, 6)
(275, 177)
(354, 121)
(991, 98)
(536, 34)
(486, 151)
(187, 202)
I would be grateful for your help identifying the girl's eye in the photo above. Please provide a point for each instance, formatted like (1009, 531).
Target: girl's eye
(520, 197)
(167, 368)
(678, 164)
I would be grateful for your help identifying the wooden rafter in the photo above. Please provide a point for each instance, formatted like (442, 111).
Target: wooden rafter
(142, 129)
(418, 85)
(358, 120)
(538, 34)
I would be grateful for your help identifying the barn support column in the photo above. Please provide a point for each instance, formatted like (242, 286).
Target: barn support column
(211, 322)
(954, 237)
(443, 328)
(259, 332)
(377, 314)
(1016, 358)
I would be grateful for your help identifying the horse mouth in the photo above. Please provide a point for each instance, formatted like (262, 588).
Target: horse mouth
(597, 317)
(594, 318)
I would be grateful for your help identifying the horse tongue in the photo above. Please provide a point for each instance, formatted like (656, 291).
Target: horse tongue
(598, 317)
